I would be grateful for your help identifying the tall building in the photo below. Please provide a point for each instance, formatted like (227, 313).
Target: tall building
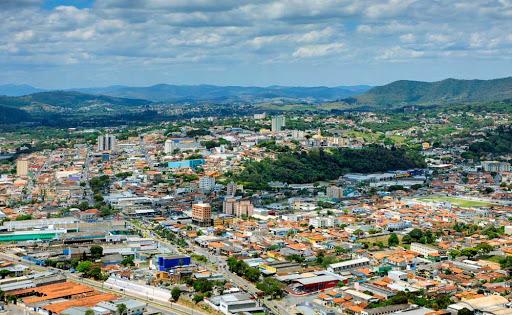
(107, 142)
(238, 208)
(334, 192)
(495, 166)
(231, 189)
(202, 214)
(278, 122)
(206, 183)
(22, 167)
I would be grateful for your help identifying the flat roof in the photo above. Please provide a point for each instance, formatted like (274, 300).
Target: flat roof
(317, 279)
(350, 262)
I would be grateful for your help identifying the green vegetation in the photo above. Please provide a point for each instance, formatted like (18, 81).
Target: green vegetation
(495, 143)
(394, 123)
(393, 240)
(419, 298)
(96, 251)
(326, 164)
(459, 202)
(24, 217)
(243, 270)
(175, 293)
(271, 287)
(449, 91)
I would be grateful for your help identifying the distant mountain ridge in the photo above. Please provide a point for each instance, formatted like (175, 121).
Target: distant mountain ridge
(449, 91)
(18, 89)
(214, 93)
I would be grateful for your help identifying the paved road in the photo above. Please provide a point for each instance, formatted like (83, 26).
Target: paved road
(220, 265)
(167, 308)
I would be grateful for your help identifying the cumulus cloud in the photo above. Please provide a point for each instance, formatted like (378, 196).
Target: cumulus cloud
(200, 34)
(318, 50)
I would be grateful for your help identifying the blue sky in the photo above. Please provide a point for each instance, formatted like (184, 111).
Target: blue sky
(83, 43)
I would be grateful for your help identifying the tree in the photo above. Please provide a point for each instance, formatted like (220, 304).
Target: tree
(128, 261)
(465, 311)
(4, 273)
(484, 248)
(84, 266)
(406, 239)
(122, 309)
(252, 274)
(89, 312)
(271, 287)
(96, 251)
(198, 298)
(393, 240)
(175, 293)
(416, 234)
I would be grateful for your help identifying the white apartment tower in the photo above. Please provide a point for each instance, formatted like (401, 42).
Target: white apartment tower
(107, 142)
(278, 122)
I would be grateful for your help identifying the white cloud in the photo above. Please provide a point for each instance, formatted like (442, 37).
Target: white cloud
(318, 50)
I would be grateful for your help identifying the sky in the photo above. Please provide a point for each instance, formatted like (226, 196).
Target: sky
(86, 43)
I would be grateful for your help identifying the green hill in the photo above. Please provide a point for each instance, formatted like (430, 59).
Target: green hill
(449, 91)
(10, 115)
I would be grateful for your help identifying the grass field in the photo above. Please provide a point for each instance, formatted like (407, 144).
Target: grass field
(460, 202)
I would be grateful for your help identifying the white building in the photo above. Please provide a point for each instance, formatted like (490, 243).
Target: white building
(423, 249)
(323, 222)
(278, 122)
(349, 265)
(184, 144)
(107, 142)
(206, 183)
(495, 166)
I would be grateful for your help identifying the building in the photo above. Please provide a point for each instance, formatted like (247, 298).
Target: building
(165, 263)
(184, 144)
(315, 283)
(22, 167)
(495, 166)
(231, 189)
(260, 116)
(202, 214)
(206, 183)
(235, 303)
(489, 305)
(334, 192)
(278, 122)
(424, 250)
(107, 142)
(349, 265)
(186, 163)
(323, 222)
(298, 135)
(238, 208)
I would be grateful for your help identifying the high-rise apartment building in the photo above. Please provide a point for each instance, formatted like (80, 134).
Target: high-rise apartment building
(107, 142)
(231, 189)
(202, 214)
(206, 183)
(238, 208)
(278, 122)
(22, 167)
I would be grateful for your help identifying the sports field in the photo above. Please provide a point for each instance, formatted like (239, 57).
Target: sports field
(455, 201)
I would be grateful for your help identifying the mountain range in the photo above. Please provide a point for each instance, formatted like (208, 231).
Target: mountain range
(449, 91)
(207, 93)
(119, 100)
